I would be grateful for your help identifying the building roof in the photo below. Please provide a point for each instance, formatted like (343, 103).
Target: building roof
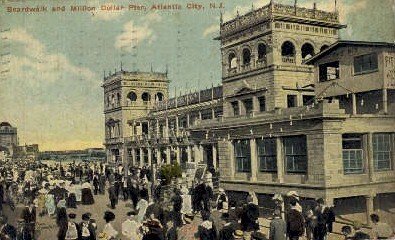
(5, 124)
(343, 43)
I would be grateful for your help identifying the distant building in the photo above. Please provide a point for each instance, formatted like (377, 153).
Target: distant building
(90, 154)
(28, 152)
(8, 138)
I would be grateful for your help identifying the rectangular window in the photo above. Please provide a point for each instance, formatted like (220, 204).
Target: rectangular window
(267, 154)
(382, 151)
(235, 106)
(291, 101)
(352, 153)
(207, 114)
(365, 63)
(218, 112)
(307, 100)
(242, 155)
(329, 71)
(262, 103)
(295, 153)
(248, 106)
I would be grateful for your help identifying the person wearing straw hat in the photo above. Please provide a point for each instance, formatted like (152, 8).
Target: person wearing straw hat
(130, 227)
(238, 234)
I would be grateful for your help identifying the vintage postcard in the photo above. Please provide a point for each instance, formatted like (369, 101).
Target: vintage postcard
(206, 119)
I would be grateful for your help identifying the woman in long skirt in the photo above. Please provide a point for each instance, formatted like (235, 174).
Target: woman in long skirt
(87, 196)
(50, 204)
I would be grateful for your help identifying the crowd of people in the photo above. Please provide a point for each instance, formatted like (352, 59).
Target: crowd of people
(158, 210)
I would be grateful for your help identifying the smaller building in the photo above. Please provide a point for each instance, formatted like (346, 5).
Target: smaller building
(8, 138)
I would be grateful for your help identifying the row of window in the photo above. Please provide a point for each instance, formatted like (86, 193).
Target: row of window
(354, 152)
(295, 153)
(249, 105)
(145, 96)
(287, 50)
(362, 64)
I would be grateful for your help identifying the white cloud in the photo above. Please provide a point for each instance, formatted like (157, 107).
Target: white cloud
(134, 34)
(211, 29)
(35, 64)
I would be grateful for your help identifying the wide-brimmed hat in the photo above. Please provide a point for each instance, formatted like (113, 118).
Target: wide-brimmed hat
(72, 215)
(86, 216)
(238, 234)
(109, 216)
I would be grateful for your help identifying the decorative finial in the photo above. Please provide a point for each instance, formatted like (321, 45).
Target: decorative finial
(167, 69)
(104, 74)
(238, 15)
(315, 6)
(252, 6)
(151, 67)
(221, 18)
(121, 66)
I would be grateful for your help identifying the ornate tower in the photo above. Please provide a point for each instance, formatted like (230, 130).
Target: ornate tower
(263, 53)
(127, 96)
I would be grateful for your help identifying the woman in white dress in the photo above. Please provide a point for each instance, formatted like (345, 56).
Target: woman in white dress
(142, 206)
(108, 231)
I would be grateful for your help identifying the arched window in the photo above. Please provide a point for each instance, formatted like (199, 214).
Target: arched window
(146, 97)
(159, 97)
(307, 51)
(232, 60)
(246, 56)
(132, 96)
(288, 49)
(261, 51)
(323, 47)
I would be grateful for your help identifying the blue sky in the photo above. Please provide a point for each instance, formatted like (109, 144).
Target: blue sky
(52, 91)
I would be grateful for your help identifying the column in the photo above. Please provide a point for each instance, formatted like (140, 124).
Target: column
(232, 159)
(158, 156)
(241, 107)
(177, 127)
(168, 155)
(189, 153)
(214, 156)
(255, 105)
(196, 152)
(254, 160)
(167, 128)
(369, 207)
(178, 155)
(133, 157)
(200, 153)
(385, 101)
(141, 157)
(149, 156)
(280, 160)
(354, 104)
(126, 160)
(212, 113)
(157, 128)
(368, 145)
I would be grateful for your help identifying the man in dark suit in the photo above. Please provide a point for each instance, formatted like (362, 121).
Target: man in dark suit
(295, 222)
(7, 231)
(86, 228)
(29, 216)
